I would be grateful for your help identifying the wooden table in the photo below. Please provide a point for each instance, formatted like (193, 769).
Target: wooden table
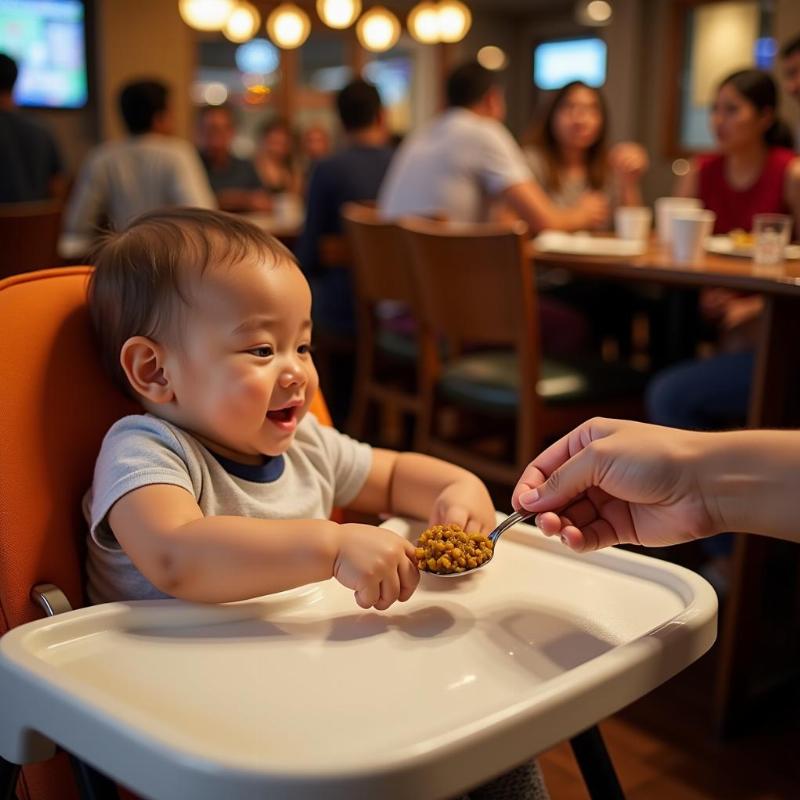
(748, 675)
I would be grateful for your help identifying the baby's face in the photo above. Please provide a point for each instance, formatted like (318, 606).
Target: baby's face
(243, 376)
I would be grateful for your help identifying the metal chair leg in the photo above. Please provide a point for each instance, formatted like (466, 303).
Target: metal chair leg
(92, 785)
(595, 765)
(8, 779)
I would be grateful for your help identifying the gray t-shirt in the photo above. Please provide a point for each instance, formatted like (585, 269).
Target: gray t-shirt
(322, 469)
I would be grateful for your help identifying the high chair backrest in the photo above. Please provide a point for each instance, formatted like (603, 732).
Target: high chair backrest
(475, 282)
(379, 256)
(29, 233)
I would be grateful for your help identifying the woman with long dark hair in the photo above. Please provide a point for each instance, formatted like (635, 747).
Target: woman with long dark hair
(754, 170)
(569, 155)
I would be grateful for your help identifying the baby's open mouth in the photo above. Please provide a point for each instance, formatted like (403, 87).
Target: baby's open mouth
(282, 414)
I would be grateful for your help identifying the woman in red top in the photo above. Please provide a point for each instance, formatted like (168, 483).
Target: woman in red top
(755, 171)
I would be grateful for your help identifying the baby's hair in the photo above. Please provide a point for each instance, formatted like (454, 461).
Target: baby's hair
(141, 277)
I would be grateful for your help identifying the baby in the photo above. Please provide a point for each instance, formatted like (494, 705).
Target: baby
(223, 488)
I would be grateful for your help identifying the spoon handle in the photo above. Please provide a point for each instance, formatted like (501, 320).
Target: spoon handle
(508, 522)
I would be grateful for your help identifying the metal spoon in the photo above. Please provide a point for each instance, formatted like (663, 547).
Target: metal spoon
(508, 522)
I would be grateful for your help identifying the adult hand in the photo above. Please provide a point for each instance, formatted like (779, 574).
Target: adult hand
(611, 481)
(628, 160)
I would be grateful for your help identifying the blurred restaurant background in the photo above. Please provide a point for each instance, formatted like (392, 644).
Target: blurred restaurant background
(727, 727)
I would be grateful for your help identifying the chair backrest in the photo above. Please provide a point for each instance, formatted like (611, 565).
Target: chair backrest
(475, 283)
(380, 261)
(29, 233)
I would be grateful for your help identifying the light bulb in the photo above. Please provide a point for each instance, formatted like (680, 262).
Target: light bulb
(378, 30)
(423, 22)
(455, 20)
(243, 23)
(288, 26)
(206, 15)
(338, 14)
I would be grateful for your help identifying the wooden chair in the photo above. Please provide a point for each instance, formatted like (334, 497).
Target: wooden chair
(386, 361)
(55, 407)
(29, 233)
(476, 287)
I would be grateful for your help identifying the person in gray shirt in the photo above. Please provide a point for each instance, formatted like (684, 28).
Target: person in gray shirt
(150, 169)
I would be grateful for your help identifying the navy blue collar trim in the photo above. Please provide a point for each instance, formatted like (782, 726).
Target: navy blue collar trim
(267, 472)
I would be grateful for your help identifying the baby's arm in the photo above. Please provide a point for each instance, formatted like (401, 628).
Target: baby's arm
(225, 558)
(419, 486)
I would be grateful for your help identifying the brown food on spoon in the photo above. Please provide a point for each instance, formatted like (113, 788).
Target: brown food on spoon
(445, 549)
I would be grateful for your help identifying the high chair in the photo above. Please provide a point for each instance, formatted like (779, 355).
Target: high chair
(299, 694)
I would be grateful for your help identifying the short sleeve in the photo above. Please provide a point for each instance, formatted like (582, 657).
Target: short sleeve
(502, 164)
(137, 451)
(350, 462)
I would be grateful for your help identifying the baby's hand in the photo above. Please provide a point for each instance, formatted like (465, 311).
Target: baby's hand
(465, 503)
(377, 564)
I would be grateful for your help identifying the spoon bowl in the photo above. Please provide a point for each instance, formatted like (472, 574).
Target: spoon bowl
(493, 537)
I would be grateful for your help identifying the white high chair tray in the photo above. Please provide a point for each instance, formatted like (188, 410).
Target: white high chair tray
(306, 695)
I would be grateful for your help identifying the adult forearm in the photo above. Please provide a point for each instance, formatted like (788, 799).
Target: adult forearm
(220, 559)
(751, 481)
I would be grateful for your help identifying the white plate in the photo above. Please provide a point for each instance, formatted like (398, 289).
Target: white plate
(724, 246)
(585, 244)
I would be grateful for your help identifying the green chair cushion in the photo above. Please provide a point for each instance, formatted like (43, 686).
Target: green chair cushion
(489, 381)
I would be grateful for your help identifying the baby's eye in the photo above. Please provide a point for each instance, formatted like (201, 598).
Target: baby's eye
(305, 348)
(261, 352)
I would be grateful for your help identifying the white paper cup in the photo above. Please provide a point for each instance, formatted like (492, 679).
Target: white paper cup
(633, 222)
(666, 208)
(690, 229)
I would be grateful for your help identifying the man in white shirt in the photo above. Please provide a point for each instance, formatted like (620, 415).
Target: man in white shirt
(466, 158)
(150, 169)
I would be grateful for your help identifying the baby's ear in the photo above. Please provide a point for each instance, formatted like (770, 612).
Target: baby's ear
(143, 362)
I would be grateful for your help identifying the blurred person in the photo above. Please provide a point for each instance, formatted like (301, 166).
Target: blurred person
(315, 144)
(466, 158)
(352, 174)
(274, 159)
(152, 168)
(790, 73)
(568, 154)
(234, 180)
(753, 172)
(31, 168)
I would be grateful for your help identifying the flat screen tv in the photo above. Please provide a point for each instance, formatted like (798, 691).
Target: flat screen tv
(564, 60)
(47, 39)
